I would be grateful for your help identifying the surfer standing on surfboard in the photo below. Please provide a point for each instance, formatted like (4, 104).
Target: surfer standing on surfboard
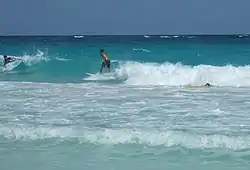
(8, 59)
(105, 62)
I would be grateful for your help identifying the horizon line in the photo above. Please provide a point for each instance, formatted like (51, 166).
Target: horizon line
(67, 35)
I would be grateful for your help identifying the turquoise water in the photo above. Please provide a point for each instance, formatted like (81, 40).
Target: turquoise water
(141, 116)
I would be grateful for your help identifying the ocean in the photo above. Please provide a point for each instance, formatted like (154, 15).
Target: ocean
(140, 116)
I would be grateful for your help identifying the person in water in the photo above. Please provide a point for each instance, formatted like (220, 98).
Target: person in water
(105, 62)
(7, 59)
(202, 86)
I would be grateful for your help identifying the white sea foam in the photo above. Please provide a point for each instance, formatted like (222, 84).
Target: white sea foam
(141, 49)
(123, 114)
(28, 60)
(178, 74)
(126, 136)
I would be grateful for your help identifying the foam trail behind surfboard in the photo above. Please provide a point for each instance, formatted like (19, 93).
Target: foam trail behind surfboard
(19, 58)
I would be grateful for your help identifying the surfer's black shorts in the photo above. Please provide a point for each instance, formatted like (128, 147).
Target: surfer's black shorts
(107, 63)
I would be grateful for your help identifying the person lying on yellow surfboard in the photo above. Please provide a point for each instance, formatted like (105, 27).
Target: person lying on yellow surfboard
(201, 86)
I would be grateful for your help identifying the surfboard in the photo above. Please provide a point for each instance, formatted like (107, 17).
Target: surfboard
(90, 74)
(98, 74)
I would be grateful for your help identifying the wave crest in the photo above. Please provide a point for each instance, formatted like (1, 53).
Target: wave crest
(126, 136)
(178, 74)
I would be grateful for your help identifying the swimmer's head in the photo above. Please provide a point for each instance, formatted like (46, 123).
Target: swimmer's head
(5, 56)
(207, 84)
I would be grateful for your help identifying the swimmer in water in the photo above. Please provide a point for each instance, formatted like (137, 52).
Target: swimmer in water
(202, 86)
(7, 59)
